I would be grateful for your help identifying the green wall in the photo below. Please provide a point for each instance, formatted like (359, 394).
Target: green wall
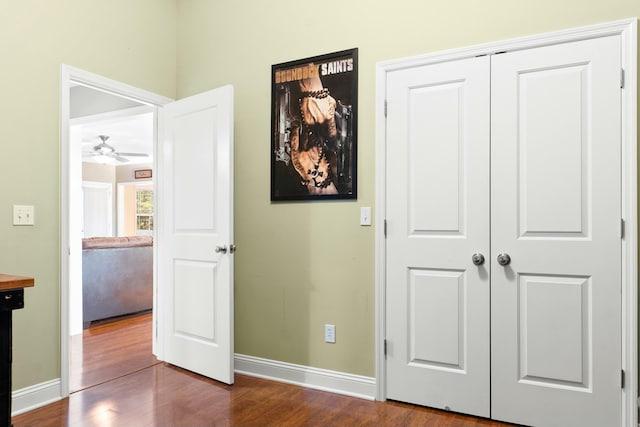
(130, 41)
(299, 265)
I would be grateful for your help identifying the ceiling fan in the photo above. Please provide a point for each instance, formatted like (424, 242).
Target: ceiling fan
(105, 150)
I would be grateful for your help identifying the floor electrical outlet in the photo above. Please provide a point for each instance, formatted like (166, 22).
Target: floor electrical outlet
(330, 333)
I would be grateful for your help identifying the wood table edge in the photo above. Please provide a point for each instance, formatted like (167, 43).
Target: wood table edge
(8, 281)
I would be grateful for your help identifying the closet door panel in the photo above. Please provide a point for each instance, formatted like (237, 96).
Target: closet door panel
(555, 206)
(437, 318)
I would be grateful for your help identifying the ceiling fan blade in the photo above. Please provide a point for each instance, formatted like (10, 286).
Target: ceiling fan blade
(131, 154)
(119, 158)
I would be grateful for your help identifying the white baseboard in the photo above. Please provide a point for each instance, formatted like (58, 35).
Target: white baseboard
(35, 396)
(305, 376)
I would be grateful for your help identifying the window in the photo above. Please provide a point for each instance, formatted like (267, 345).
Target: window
(144, 211)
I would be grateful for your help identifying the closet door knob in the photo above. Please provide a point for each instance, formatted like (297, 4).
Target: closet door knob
(477, 258)
(221, 249)
(504, 259)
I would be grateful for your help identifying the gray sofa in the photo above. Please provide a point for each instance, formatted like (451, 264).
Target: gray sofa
(117, 276)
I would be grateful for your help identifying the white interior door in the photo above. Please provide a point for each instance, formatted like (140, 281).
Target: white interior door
(437, 320)
(556, 210)
(196, 214)
(98, 209)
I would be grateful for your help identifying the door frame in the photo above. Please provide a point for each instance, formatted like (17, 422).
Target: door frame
(70, 76)
(627, 30)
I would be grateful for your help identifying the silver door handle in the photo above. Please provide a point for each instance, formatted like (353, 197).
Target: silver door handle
(221, 249)
(504, 259)
(477, 258)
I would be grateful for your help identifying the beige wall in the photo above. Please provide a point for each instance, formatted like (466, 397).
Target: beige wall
(126, 173)
(130, 41)
(99, 173)
(299, 265)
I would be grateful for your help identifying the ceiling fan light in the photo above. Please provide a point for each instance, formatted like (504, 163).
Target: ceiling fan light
(104, 159)
(106, 154)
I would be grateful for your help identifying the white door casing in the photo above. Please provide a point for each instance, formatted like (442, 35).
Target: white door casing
(438, 215)
(195, 281)
(76, 214)
(567, 293)
(556, 210)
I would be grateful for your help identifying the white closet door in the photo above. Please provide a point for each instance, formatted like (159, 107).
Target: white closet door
(438, 214)
(555, 188)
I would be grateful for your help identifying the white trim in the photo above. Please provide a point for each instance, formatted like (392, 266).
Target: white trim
(380, 238)
(627, 30)
(68, 76)
(521, 43)
(630, 214)
(33, 397)
(305, 376)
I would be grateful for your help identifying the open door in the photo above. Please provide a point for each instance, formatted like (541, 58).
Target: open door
(195, 283)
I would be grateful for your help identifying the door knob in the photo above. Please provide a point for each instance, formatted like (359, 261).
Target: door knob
(504, 259)
(477, 258)
(221, 249)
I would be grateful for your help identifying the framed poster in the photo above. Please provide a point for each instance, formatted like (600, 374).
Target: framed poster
(313, 127)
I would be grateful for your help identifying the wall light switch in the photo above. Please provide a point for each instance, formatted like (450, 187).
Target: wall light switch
(23, 215)
(365, 216)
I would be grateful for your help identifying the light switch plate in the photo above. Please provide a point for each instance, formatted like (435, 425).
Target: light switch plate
(365, 216)
(23, 215)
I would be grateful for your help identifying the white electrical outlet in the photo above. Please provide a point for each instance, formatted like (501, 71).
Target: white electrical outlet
(330, 333)
(23, 215)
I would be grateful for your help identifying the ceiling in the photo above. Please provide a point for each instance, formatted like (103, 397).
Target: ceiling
(129, 134)
(129, 125)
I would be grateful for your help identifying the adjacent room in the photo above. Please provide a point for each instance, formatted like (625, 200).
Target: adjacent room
(113, 145)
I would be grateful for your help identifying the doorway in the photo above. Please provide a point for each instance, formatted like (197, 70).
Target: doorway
(194, 170)
(121, 97)
(116, 277)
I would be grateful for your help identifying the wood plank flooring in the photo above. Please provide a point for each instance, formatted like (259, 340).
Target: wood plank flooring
(97, 354)
(163, 395)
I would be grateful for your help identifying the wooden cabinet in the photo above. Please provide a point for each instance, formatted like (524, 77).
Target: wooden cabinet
(11, 298)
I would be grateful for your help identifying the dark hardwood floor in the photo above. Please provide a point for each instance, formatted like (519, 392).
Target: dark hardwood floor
(117, 390)
(97, 354)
